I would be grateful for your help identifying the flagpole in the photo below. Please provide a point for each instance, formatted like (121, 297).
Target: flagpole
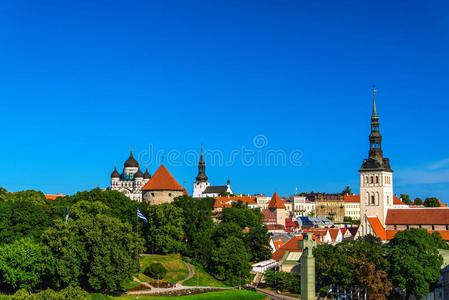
(137, 223)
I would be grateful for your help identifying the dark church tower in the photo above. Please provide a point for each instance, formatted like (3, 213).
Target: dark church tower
(201, 169)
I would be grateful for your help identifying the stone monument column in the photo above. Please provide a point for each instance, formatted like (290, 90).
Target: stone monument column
(307, 267)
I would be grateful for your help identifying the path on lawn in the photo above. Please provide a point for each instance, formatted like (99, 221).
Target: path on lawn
(179, 286)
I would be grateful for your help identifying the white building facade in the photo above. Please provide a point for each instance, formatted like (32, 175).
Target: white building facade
(131, 181)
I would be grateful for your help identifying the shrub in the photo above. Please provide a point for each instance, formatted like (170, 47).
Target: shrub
(22, 294)
(49, 294)
(74, 293)
(155, 270)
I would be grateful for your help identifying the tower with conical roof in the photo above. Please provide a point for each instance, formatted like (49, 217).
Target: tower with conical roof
(278, 209)
(376, 179)
(201, 183)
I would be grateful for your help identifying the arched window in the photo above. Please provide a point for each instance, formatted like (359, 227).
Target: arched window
(372, 179)
(373, 200)
(377, 179)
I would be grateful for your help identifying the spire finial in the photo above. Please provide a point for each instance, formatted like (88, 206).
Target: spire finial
(374, 101)
(131, 148)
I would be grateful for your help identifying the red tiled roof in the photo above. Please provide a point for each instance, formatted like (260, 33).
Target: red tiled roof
(352, 198)
(278, 244)
(397, 201)
(275, 227)
(442, 204)
(53, 197)
(292, 245)
(244, 199)
(418, 216)
(268, 216)
(162, 180)
(333, 233)
(276, 202)
(379, 230)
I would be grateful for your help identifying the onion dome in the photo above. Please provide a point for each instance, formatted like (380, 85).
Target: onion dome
(131, 162)
(138, 174)
(146, 175)
(115, 174)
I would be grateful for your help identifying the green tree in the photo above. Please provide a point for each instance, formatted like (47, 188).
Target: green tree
(256, 241)
(418, 201)
(432, 202)
(21, 264)
(405, 198)
(74, 293)
(94, 250)
(230, 261)
(164, 232)
(415, 261)
(332, 265)
(346, 191)
(241, 215)
(197, 217)
(155, 270)
(283, 281)
(23, 214)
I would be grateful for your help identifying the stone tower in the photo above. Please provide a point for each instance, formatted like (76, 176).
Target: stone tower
(278, 209)
(376, 179)
(201, 182)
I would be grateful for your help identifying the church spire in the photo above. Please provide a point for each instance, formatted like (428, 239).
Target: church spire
(374, 103)
(375, 138)
(201, 168)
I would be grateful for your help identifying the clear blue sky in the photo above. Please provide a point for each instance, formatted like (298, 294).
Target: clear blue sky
(80, 81)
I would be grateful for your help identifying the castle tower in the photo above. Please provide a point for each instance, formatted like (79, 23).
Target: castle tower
(201, 182)
(376, 179)
(277, 207)
(115, 178)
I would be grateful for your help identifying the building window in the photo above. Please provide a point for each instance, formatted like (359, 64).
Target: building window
(433, 227)
(169, 194)
(373, 200)
(377, 179)
(395, 227)
(372, 179)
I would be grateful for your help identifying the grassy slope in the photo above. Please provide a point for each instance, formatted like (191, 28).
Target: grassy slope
(176, 269)
(224, 295)
(205, 279)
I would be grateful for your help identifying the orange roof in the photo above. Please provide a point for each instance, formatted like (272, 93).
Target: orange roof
(379, 230)
(162, 180)
(418, 216)
(53, 197)
(276, 202)
(292, 246)
(397, 201)
(184, 192)
(352, 198)
(333, 233)
(278, 244)
(221, 202)
(442, 204)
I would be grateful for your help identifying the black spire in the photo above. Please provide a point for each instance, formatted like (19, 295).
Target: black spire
(201, 169)
(376, 160)
(375, 138)
(146, 175)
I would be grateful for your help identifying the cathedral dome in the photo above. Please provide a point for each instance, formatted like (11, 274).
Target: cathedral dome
(138, 174)
(131, 162)
(115, 174)
(146, 175)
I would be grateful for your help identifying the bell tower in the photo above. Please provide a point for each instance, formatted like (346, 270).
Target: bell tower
(376, 179)
(201, 182)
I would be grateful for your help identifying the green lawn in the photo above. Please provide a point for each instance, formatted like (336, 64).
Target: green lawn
(176, 268)
(205, 279)
(223, 295)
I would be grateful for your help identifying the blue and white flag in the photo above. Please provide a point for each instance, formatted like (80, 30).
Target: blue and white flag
(67, 216)
(139, 215)
(330, 289)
